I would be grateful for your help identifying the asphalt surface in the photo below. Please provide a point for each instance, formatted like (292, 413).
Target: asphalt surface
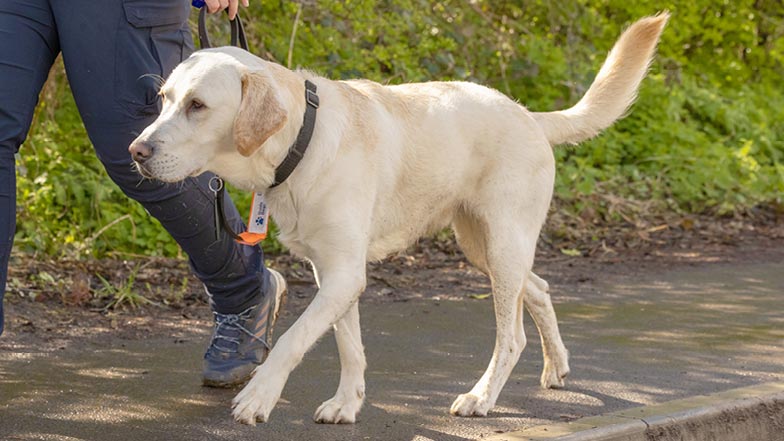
(634, 340)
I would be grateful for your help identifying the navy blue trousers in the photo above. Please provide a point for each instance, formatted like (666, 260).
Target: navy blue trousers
(108, 48)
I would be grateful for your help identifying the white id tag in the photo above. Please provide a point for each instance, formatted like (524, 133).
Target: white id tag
(258, 221)
(259, 215)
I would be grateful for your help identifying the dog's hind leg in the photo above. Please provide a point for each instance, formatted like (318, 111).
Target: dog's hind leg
(470, 236)
(508, 257)
(345, 405)
(556, 357)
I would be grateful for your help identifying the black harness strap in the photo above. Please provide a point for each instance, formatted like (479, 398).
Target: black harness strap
(297, 150)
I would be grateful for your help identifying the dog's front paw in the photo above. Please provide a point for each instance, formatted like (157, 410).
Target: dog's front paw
(467, 405)
(338, 410)
(554, 372)
(253, 404)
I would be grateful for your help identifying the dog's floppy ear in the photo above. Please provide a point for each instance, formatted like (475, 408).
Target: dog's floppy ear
(260, 114)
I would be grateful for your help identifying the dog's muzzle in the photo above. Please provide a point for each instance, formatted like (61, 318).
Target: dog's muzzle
(141, 152)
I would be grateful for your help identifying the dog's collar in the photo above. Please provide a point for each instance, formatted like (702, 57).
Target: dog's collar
(297, 150)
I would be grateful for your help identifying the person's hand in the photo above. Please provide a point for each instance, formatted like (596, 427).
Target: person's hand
(214, 6)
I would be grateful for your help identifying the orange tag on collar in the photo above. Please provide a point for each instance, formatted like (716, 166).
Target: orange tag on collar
(258, 221)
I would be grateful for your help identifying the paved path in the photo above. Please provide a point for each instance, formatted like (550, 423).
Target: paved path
(633, 342)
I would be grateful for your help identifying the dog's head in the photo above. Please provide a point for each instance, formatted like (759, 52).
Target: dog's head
(216, 111)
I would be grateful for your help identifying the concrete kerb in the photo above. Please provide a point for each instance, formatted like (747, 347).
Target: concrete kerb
(750, 413)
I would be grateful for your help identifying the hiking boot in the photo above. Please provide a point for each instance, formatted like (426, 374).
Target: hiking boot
(242, 341)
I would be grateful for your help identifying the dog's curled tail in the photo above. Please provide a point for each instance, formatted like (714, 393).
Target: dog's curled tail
(614, 89)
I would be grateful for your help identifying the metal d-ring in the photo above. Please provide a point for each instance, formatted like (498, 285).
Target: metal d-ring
(216, 184)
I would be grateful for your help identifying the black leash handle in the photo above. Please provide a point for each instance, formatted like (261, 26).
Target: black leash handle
(238, 37)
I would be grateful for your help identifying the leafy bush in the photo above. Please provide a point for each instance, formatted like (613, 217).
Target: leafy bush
(706, 135)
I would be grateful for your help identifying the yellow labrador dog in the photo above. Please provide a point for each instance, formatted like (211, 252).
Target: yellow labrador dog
(385, 166)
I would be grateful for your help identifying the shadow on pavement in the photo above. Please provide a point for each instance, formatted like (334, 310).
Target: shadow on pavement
(632, 341)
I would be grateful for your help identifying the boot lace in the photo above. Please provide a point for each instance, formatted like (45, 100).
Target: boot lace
(229, 329)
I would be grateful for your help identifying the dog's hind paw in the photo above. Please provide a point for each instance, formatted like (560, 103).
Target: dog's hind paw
(554, 373)
(467, 405)
(337, 411)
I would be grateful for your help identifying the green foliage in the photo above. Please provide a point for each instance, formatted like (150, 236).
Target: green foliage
(706, 134)
(66, 202)
(123, 294)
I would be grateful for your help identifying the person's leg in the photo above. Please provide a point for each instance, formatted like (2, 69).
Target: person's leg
(113, 51)
(28, 47)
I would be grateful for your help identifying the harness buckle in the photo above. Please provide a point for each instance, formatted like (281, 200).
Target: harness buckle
(312, 98)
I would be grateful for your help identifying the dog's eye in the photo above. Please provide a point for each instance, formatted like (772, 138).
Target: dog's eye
(195, 105)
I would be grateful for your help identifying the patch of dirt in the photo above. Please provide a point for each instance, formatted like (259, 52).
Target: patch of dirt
(52, 302)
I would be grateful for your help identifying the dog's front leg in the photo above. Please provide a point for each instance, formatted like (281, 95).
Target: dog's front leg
(345, 405)
(341, 283)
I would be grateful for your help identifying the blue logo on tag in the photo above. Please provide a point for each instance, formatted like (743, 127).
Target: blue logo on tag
(260, 220)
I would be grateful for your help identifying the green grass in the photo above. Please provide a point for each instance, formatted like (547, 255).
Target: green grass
(123, 294)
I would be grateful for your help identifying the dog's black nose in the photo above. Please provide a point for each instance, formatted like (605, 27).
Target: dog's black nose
(141, 151)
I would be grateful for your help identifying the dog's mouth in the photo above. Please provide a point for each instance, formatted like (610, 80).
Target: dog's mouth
(143, 170)
(164, 175)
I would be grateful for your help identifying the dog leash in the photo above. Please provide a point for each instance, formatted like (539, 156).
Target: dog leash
(259, 214)
(216, 184)
(238, 37)
(221, 223)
